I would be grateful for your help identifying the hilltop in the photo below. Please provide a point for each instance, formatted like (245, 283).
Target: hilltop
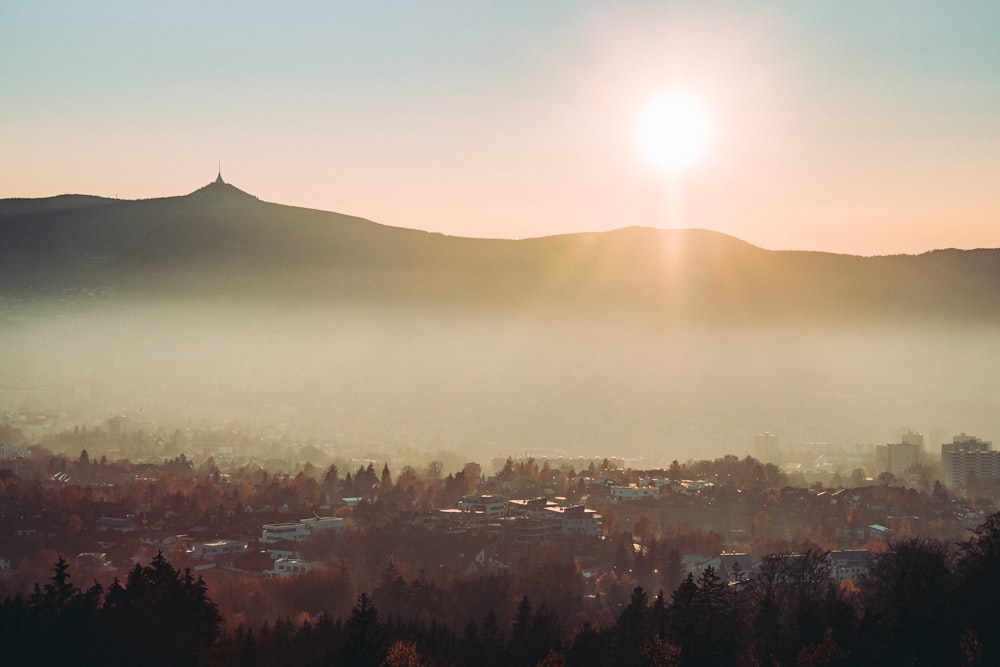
(219, 241)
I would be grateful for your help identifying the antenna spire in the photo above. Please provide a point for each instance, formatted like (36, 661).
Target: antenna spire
(218, 179)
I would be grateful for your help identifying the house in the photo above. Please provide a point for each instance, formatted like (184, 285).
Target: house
(283, 549)
(622, 494)
(110, 524)
(525, 530)
(455, 520)
(218, 549)
(877, 532)
(323, 523)
(295, 531)
(530, 507)
(849, 563)
(490, 505)
(291, 531)
(576, 520)
(287, 567)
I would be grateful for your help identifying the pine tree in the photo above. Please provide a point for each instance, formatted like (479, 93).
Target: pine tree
(364, 634)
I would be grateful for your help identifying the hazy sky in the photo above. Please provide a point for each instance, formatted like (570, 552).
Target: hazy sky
(863, 127)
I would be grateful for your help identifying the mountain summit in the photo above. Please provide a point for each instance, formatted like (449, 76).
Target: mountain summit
(218, 189)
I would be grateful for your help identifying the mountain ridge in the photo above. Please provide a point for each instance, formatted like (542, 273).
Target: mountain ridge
(220, 241)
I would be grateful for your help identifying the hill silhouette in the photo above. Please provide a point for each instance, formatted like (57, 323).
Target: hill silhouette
(639, 341)
(219, 241)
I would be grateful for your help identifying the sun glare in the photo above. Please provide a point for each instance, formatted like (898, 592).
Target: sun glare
(674, 130)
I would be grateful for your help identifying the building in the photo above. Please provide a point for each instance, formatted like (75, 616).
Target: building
(967, 455)
(12, 452)
(623, 494)
(218, 549)
(489, 505)
(315, 523)
(288, 567)
(903, 455)
(525, 530)
(110, 524)
(530, 507)
(878, 532)
(881, 458)
(291, 531)
(765, 446)
(576, 520)
(295, 531)
(849, 563)
(117, 428)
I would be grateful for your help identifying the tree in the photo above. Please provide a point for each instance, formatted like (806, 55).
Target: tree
(644, 528)
(911, 619)
(364, 634)
(150, 595)
(672, 571)
(978, 588)
(403, 654)
(633, 629)
(57, 593)
(887, 478)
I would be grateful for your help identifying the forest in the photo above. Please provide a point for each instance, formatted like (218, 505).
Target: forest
(924, 602)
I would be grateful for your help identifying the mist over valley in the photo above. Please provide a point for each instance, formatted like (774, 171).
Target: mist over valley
(217, 307)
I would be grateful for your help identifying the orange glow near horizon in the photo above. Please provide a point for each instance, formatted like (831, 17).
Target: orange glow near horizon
(808, 142)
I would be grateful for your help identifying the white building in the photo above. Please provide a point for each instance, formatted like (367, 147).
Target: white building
(295, 531)
(622, 494)
(576, 520)
(323, 523)
(288, 567)
(218, 549)
(489, 505)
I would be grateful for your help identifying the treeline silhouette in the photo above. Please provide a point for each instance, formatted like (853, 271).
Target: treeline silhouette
(924, 602)
(157, 616)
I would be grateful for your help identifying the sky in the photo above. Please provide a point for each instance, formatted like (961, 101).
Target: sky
(865, 127)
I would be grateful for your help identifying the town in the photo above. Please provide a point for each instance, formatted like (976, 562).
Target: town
(280, 537)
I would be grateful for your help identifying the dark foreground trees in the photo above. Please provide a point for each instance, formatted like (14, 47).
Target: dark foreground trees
(923, 603)
(159, 616)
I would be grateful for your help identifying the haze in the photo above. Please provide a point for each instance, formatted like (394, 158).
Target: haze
(405, 387)
(521, 319)
(221, 309)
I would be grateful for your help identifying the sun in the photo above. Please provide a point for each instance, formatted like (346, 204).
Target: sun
(674, 130)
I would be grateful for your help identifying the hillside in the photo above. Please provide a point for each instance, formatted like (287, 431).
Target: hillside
(658, 343)
(222, 242)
